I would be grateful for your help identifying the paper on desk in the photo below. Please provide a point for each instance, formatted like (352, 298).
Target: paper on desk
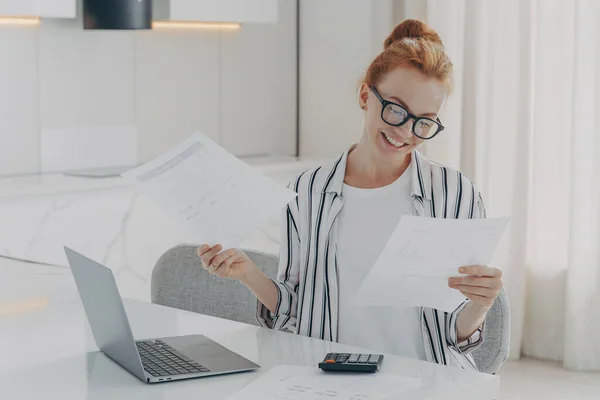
(286, 382)
(214, 194)
(420, 256)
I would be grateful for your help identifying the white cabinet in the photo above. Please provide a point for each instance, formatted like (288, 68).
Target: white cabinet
(56, 8)
(242, 11)
(17, 7)
(39, 8)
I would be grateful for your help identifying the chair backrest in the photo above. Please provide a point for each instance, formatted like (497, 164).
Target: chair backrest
(179, 281)
(494, 351)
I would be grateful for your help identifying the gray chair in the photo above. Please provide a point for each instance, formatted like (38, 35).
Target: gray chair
(494, 351)
(179, 281)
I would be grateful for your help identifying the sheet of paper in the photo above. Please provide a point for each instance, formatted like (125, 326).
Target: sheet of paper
(288, 382)
(217, 196)
(420, 256)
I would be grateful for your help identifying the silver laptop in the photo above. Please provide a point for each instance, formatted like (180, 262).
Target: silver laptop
(151, 360)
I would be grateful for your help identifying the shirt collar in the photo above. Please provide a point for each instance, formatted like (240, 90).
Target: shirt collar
(421, 174)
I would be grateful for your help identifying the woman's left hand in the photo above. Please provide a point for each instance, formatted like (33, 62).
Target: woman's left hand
(481, 284)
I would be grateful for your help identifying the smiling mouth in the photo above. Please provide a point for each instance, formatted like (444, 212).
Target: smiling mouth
(393, 142)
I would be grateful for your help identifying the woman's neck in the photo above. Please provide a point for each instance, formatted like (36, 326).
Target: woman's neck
(364, 170)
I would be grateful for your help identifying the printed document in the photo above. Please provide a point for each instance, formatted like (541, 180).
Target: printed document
(217, 196)
(420, 256)
(286, 382)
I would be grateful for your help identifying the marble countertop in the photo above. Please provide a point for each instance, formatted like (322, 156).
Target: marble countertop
(43, 184)
(109, 221)
(281, 169)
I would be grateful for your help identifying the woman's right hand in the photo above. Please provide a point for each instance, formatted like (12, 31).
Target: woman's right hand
(232, 263)
(235, 264)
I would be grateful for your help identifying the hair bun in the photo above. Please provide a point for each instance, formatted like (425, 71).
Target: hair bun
(412, 28)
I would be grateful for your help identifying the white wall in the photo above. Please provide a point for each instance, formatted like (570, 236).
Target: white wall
(338, 40)
(238, 87)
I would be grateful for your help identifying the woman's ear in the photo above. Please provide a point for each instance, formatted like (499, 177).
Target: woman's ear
(363, 96)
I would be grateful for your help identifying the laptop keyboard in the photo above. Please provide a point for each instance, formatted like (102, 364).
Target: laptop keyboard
(160, 359)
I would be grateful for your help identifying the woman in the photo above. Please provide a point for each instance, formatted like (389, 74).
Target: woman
(345, 212)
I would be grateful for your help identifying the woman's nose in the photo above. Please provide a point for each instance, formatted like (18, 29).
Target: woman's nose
(405, 131)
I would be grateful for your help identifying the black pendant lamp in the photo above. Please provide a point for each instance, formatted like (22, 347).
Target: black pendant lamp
(117, 14)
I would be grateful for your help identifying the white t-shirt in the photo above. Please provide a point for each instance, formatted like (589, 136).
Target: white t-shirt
(367, 220)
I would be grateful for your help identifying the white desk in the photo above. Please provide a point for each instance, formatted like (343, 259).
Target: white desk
(48, 352)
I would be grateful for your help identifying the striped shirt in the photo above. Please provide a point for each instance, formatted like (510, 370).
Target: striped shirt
(307, 279)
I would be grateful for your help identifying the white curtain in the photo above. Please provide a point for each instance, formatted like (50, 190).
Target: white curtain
(524, 124)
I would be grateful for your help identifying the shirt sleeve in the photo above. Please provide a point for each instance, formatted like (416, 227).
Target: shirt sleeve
(477, 338)
(288, 276)
(472, 343)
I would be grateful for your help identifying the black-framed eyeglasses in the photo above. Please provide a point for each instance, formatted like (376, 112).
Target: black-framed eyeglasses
(395, 115)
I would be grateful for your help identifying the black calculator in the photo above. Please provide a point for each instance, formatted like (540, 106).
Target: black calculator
(346, 362)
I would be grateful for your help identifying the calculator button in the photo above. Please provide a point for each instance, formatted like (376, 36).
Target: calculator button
(353, 358)
(330, 361)
(373, 359)
(363, 358)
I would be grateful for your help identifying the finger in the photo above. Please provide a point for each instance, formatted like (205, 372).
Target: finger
(224, 269)
(473, 280)
(211, 269)
(485, 292)
(202, 249)
(480, 270)
(479, 299)
(206, 257)
(219, 258)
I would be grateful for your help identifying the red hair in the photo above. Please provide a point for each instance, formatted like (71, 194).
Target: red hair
(412, 43)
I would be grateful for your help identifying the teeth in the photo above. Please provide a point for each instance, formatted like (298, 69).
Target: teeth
(392, 141)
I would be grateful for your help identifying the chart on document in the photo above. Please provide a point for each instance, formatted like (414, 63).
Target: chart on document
(214, 194)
